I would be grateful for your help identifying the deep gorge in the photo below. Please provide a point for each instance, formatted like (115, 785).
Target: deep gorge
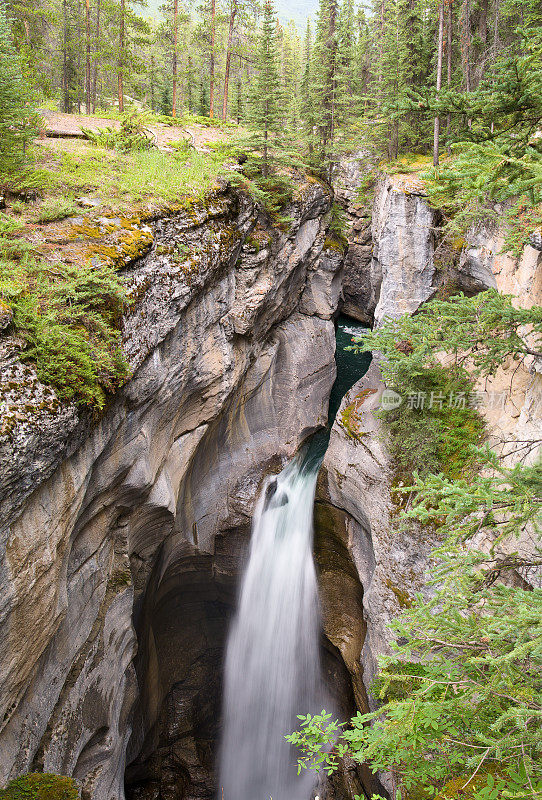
(123, 537)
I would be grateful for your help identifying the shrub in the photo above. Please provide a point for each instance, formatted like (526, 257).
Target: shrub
(132, 136)
(56, 208)
(40, 786)
(69, 318)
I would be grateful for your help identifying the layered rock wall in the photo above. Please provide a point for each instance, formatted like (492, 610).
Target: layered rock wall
(103, 518)
(369, 571)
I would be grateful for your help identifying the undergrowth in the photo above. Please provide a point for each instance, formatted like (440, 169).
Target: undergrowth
(40, 786)
(69, 318)
(434, 428)
(131, 136)
(122, 179)
(55, 208)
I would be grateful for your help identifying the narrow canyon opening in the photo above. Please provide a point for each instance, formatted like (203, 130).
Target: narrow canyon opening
(182, 623)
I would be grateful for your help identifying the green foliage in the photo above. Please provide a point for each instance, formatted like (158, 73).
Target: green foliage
(268, 159)
(338, 223)
(56, 208)
(17, 116)
(480, 175)
(273, 192)
(482, 331)
(476, 699)
(435, 426)
(68, 317)
(132, 135)
(461, 698)
(40, 786)
(129, 178)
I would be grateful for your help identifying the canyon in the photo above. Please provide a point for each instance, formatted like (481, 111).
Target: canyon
(123, 534)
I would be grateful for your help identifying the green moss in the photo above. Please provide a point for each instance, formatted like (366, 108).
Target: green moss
(121, 578)
(333, 242)
(350, 417)
(40, 786)
(453, 790)
(402, 597)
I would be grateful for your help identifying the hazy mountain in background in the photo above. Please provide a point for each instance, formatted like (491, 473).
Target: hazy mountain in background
(298, 11)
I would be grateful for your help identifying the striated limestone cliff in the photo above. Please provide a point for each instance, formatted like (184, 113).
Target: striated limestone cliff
(123, 534)
(368, 570)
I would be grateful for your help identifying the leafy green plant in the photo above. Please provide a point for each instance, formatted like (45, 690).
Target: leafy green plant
(131, 136)
(40, 786)
(56, 208)
(69, 318)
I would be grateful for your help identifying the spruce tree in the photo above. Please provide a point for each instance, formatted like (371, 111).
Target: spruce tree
(324, 70)
(267, 99)
(16, 112)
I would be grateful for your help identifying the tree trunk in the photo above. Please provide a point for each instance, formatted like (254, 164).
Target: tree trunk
(88, 93)
(67, 105)
(239, 101)
(467, 46)
(436, 130)
(175, 39)
(228, 60)
(95, 70)
(152, 82)
(212, 64)
(264, 164)
(189, 95)
(449, 68)
(483, 21)
(121, 57)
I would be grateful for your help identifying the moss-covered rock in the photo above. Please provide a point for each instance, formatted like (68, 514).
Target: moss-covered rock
(40, 786)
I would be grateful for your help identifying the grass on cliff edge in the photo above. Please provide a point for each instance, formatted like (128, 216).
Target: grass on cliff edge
(73, 168)
(68, 317)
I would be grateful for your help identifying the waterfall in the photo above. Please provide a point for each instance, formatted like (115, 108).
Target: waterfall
(272, 659)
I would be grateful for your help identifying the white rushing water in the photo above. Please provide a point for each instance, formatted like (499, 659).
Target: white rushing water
(272, 658)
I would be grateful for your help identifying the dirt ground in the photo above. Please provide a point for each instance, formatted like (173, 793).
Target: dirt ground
(59, 126)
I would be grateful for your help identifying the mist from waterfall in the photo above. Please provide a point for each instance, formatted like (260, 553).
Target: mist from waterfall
(272, 659)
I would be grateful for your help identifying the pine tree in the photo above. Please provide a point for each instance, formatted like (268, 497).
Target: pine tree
(267, 99)
(324, 70)
(16, 111)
